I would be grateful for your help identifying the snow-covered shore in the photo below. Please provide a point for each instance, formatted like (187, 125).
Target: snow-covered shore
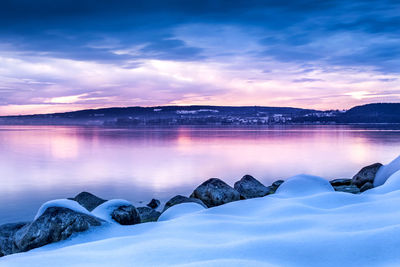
(305, 223)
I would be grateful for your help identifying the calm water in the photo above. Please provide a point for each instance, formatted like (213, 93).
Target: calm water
(40, 163)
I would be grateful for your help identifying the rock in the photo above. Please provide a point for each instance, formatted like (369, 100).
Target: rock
(338, 182)
(347, 188)
(7, 232)
(126, 215)
(366, 186)
(154, 203)
(215, 192)
(148, 214)
(249, 187)
(181, 199)
(55, 224)
(274, 186)
(88, 200)
(366, 174)
(277, 183)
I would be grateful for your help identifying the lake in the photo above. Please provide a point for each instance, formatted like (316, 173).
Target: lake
(40, 163)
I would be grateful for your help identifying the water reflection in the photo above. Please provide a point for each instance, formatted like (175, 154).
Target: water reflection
(42, 163)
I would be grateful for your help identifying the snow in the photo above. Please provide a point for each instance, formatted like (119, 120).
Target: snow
(392, 184)
(63, 203)
(386, 171)
(300, 225)
(180, 210)
(104, 210)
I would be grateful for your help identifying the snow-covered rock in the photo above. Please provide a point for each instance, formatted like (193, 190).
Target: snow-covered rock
(62, 203)
(56, 223)
(180, 210)
(215, 192)
(117, 210)
(302, 185)
(289, 228)
(386, 171)
(249, 187)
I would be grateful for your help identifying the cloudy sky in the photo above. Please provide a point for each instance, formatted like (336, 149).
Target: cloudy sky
(68, 55)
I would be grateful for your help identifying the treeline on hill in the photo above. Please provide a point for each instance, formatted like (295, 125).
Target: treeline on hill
(213, 115)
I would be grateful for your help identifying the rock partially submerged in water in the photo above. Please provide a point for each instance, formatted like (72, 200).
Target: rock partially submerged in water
(340, 182)
(347, 189)
(366, 175)
(249, 187)
(215, 192)
(148, 214)
(55, 224)
(88, 200)
(178, 199)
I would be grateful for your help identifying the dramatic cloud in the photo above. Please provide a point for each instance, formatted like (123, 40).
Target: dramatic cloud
(63, 55)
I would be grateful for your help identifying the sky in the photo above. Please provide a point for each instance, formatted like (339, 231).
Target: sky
(68, 55)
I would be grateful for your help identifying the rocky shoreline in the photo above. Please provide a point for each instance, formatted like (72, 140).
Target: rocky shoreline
(58, 220)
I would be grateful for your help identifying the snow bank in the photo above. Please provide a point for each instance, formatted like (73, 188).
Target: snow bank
(299, 226)
(180, 210)
(104, 210)
(386, 171)
(63, 203)
(392, 184)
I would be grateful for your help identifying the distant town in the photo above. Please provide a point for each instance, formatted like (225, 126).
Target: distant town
(211, 115)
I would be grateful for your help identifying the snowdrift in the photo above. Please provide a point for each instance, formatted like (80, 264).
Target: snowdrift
(298, 226)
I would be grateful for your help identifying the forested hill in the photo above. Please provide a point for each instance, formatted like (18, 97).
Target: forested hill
(372, 113)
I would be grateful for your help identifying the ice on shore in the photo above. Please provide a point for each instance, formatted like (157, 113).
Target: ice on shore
(297, 226)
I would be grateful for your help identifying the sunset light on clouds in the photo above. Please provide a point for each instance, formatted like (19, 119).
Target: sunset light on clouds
(68, 55)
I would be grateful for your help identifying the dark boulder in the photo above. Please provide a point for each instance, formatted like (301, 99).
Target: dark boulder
(215, 192)
(126, 215)
(148, 214)
(7, 232)
(366, 186)
(181, 199)
(274, 186)
(366, 175)
(249, 187)
(338, 182)
(88, 200)
(347, 189)
(154, 203)
(55, 224)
